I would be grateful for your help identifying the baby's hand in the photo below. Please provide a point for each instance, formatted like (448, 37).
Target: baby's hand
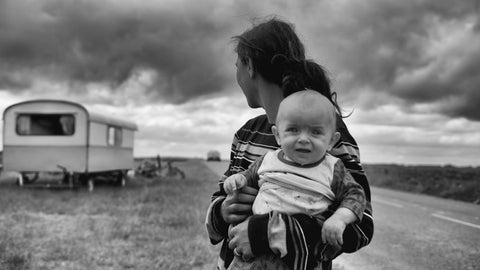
(332, 231)
(234, 182)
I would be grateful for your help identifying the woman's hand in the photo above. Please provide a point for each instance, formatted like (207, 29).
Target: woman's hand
(238, 206)
(239, 241)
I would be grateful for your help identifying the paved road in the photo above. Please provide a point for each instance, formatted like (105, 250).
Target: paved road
(419, 232)
(416, 232)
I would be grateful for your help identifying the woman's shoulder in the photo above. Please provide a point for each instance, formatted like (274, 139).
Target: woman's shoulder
(258, 124)
(258, 132)
(346, 148)
(345, 135)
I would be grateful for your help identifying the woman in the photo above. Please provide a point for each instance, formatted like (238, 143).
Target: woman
(271, 65)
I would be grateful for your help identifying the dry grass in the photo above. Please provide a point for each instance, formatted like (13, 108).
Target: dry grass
(459, 183)
(150, 224)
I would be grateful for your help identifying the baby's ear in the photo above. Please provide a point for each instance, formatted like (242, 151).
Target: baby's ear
(334, 139)
(275, 133)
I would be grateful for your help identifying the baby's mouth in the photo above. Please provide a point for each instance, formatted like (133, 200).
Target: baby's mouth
(303, 150)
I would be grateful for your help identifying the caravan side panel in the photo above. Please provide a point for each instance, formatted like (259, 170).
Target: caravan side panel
(106, 154)
(44, 158)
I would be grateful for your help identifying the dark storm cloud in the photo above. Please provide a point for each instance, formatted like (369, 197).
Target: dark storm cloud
(13, 82)
(420, 51)
(93, 41)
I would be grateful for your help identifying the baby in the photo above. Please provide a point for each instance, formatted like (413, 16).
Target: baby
(301, 177)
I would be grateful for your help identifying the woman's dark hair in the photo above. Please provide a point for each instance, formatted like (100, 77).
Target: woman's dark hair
(278, 55)
(265, 40)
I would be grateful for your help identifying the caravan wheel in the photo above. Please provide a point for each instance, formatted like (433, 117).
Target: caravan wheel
(83, 179)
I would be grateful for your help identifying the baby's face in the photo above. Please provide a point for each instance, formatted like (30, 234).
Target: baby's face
(305, 135)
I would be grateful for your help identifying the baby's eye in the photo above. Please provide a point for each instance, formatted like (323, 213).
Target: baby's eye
(316, 132)
(292, 129)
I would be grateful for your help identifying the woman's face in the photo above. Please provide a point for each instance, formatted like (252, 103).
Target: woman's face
(245, 82)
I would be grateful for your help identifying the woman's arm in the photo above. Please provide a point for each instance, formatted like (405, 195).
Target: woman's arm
(216, 226)
(359, 234)
(302, 236)
(351, 199)
(348, 193)
(231, 209)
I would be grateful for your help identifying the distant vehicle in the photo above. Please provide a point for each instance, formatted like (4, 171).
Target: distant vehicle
(213, 155)
(63, 136)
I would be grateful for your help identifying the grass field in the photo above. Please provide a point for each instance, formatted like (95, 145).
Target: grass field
(155, 223)
(149, 224)
(458, 183)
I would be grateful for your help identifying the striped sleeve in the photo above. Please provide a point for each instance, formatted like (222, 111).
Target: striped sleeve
(348, 193)
(249, 143)
(360, 234)
(217, 228)
(245, 151)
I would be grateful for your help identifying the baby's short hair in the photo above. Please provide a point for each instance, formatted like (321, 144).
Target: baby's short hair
(307, 99)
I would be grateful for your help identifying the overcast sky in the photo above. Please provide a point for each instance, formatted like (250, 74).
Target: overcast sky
(408, 70)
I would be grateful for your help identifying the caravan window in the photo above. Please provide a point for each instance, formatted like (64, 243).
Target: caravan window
(45, 124)
(114, 136)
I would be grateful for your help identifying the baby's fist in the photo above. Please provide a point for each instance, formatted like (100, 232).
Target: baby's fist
(332, 231)
(234, 182)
